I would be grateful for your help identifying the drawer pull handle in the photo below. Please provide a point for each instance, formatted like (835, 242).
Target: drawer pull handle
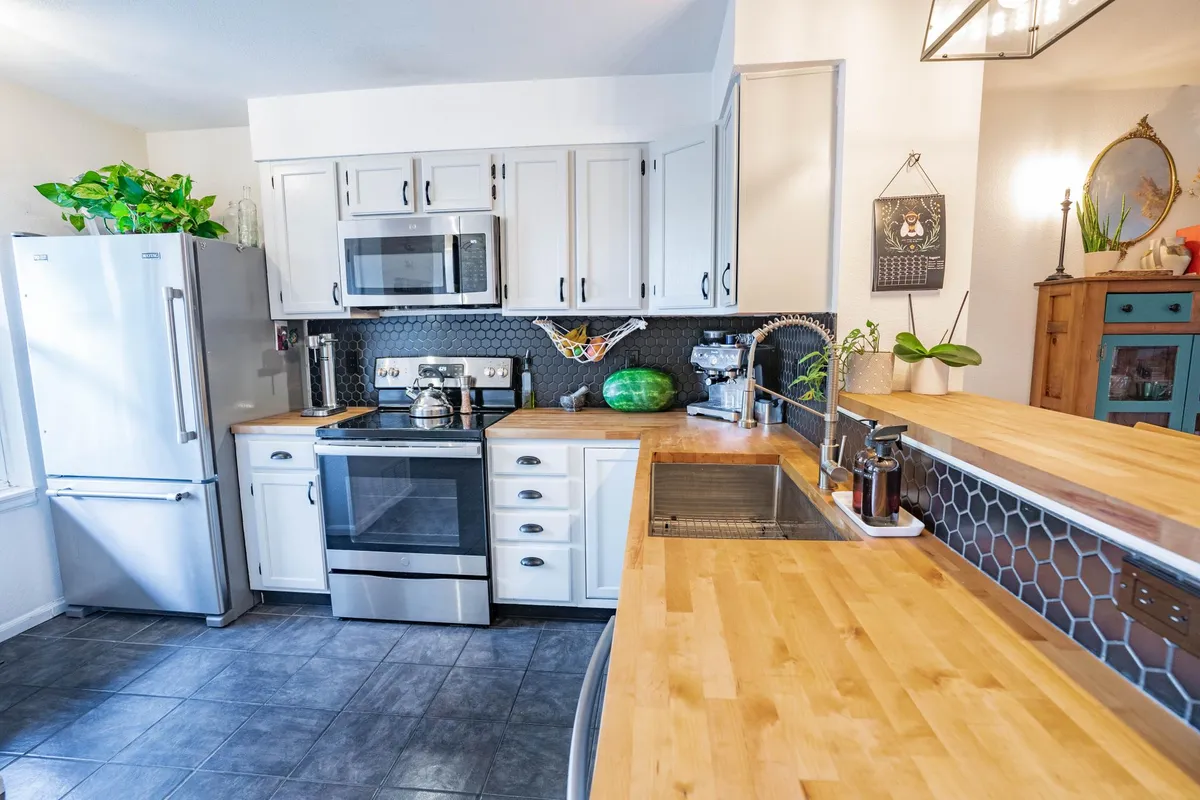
(1127, 308)
(530, 527)
(529, 494)
(281, 455)
(1145, 600)
(529, 461)
(1177, 619)
(1174, 308)
(531, 561)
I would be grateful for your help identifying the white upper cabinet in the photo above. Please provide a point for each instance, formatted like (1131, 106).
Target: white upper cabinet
(377, 185)
(726, 262)
(681, 222)
(609, 271)
(302, 239)
(786, 138)
(457, 182)
(537, 230)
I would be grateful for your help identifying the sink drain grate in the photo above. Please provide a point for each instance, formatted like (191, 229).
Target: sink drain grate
(713, 528)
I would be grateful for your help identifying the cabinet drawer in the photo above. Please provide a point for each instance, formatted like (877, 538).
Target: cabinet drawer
(282, 454)
(528, 493)
(527, 459)
(531, 526)
(1156, 307)
(544, 577)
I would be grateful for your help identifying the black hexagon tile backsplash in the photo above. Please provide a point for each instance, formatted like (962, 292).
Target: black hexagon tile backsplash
(1064, 572)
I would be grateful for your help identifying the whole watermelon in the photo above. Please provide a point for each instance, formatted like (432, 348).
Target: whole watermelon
(639, 389)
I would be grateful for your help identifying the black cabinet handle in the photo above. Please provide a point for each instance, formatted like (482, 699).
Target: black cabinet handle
(280, 455)
(562, 290)
(583, 290)
(1174, 308)
(724, 275)
(337, 297)
(404, 193)
(311, 502)
(530, 527)
(704, 286)
(531, 561)
(427, 200)
(529, 461)
(529, 494)
(1126, 308)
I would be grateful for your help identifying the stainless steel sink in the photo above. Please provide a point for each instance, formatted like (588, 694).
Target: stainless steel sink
(732, 501)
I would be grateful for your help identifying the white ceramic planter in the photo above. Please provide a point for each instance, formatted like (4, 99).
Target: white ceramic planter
(1103, 261)
(870, 373)
(930, 376)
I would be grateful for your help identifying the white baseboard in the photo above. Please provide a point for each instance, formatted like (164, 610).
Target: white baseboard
(35, 617)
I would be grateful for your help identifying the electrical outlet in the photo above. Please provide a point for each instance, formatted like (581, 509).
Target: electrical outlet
(285, 337)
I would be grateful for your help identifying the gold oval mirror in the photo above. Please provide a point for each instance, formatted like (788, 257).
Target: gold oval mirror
(1138, 171)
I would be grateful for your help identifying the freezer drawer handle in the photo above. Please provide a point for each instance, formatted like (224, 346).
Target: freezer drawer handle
(170, 295)
(531, 527)
(280, 455)
(170, 497)
(531, 561)
(529, 494)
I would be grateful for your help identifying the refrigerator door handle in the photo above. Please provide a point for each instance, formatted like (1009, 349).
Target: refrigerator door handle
(170, 295)
(172, 497)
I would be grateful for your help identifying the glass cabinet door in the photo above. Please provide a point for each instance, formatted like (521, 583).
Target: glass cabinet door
(1191, 404)
(1144, 378)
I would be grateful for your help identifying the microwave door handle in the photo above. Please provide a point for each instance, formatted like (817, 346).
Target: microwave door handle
(450, 263)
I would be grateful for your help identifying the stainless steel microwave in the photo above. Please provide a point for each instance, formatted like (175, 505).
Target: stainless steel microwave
(434, 261)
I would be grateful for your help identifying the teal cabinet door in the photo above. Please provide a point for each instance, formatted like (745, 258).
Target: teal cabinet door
(1191, 405)
(1144, 378)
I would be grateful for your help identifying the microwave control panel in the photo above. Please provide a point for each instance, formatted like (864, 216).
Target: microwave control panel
(473, 262)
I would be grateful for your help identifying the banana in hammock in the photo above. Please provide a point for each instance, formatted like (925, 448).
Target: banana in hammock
(577, 335)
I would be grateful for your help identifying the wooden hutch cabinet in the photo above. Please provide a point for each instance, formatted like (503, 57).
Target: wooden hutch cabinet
(1124, 350)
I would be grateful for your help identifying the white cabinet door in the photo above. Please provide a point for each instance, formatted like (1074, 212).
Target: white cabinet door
(537, 229)
(457, 182)
(608, 228)
(305, 246)
(608, 497)
(681, 222)
(291, 543)
(727, 151)
(378, 185)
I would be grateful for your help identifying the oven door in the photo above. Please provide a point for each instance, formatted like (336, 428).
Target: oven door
(404, 507)
(420, 261)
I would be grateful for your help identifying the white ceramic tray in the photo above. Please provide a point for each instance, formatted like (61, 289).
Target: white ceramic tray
(909, 525)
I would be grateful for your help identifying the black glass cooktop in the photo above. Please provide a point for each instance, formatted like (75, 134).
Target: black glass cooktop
(397, 424)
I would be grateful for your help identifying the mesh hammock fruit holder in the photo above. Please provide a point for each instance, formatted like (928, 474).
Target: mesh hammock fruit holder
(576, 345)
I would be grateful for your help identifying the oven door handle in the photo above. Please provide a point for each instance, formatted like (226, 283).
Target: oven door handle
(402, 450)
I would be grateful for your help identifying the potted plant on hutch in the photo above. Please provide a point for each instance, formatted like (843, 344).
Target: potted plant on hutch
(1101, 249)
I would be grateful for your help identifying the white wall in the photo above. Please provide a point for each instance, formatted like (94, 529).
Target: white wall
(722, 69)
(631, 108)
(893, 103)
(1033, 145)
(42, 139)
(218, 159)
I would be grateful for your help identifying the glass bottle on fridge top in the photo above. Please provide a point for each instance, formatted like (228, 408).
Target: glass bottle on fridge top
(229, 218)
(247, 220)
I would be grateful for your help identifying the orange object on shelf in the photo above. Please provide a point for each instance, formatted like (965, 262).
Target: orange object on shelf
(1191, 240)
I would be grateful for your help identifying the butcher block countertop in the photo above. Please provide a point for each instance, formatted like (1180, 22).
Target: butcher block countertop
(292, 422)
(857, 669)
(1141, 482)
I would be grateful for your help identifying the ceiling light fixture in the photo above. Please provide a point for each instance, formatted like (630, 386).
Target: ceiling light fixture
(959, 30)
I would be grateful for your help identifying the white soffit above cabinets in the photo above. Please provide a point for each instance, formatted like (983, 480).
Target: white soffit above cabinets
(177, 64)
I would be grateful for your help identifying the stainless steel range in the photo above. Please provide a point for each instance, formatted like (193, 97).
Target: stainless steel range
(403, 492)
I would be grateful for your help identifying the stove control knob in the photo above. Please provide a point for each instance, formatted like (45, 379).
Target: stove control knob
(489, 372)
(394, 372)
(382, 372)
(502, 372)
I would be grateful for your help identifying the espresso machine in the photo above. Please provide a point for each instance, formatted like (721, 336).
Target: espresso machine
(721, 359)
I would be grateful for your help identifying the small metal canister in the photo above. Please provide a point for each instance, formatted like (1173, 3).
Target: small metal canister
(768, 411)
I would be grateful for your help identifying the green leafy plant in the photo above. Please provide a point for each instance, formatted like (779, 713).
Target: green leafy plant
(815, 366)
(126, 199)
(909, 349)
(856, 342)
(1095, 232)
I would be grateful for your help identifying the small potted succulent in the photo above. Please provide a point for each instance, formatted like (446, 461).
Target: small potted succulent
(1101, 247)
(866, 370)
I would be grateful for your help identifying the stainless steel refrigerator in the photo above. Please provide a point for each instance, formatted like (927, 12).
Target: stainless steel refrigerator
(143, 350)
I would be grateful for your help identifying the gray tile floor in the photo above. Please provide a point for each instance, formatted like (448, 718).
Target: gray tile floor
(291, 704)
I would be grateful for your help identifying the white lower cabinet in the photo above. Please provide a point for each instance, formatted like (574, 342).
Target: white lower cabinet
(281, 513)
(559, 539)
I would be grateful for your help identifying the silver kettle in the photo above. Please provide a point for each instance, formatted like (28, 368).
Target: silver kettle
(428, 403)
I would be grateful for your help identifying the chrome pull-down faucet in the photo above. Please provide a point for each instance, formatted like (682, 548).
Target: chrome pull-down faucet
(831, 471)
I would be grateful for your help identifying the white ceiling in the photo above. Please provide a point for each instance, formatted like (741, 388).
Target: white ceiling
(177, 64)
(1130, 44)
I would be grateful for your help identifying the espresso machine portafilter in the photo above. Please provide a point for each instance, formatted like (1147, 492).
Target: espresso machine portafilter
(322, 346)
